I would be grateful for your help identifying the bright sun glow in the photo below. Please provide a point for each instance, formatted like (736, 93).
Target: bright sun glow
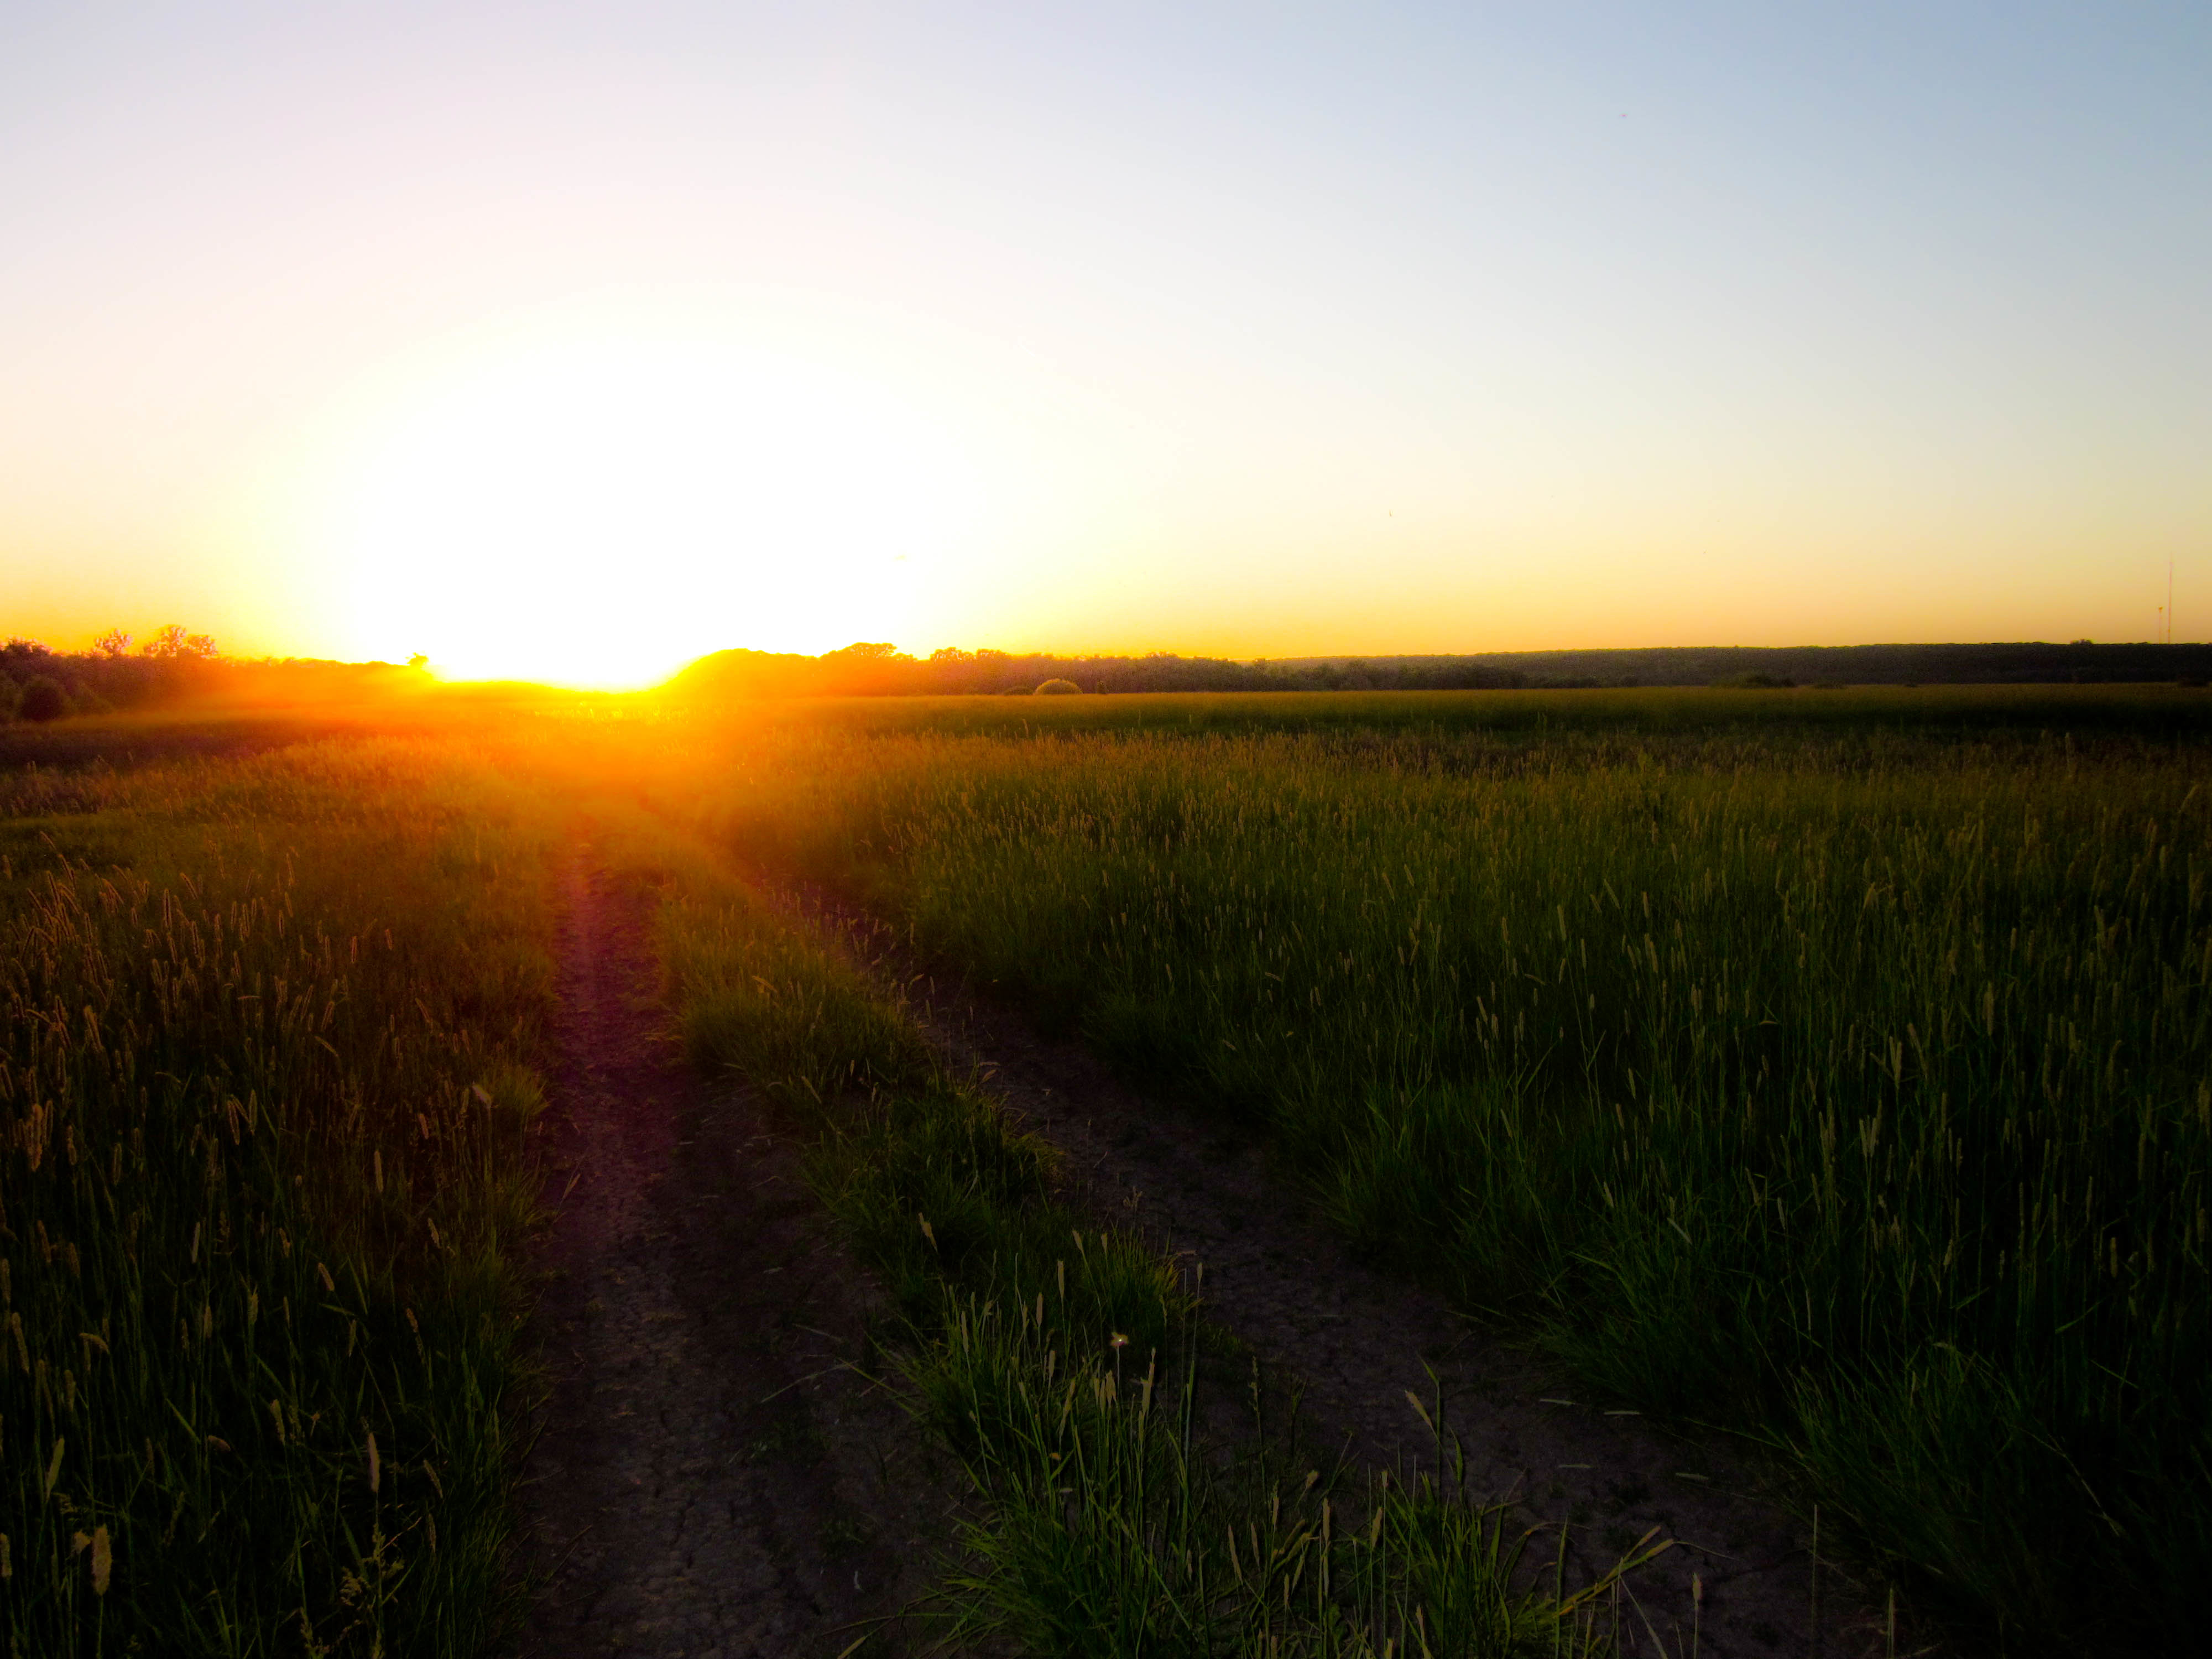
(598, 512)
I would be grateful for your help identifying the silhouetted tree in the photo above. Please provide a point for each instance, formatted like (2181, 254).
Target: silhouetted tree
(171, 642)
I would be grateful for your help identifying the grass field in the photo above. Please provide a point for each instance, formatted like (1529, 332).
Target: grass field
(268, 1018)
(1827, 1065)
(1856, 716)
(1829, 1068)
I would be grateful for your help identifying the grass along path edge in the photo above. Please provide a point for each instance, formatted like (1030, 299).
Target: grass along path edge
(1348, 1334)
(1066, 1365)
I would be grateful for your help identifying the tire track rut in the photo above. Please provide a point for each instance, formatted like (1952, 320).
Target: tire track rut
(1350, 1341)
(708, 1480)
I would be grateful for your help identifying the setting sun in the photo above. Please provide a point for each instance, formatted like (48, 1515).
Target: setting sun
(597, 510)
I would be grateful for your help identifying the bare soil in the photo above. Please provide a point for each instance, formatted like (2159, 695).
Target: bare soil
(710, 1479)
(1350, 1342)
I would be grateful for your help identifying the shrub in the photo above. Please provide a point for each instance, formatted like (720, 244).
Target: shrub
(44, 700)
(1057, 688)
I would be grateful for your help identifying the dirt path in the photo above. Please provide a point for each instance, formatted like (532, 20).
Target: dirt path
(708, 1481)
(1355, 1341)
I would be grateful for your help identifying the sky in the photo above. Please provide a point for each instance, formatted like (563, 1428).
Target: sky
(576, 340)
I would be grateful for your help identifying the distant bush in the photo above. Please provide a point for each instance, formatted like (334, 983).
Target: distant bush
(1057, 688)
(44, 700)
(1754, 682)
(1015, 691)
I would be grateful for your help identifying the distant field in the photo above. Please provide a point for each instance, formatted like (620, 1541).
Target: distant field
(1830, 1064)
(1858, 712)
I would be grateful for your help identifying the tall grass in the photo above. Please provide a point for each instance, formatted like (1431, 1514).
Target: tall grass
(1062, 1363)
(1845, 1085)
(262, 1092)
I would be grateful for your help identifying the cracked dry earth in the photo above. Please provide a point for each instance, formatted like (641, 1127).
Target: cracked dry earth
(1350, 1341)
(708, 1480)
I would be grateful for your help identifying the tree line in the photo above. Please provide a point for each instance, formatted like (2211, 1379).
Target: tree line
(37, 683)
(871, 669)
(175, 664)
(875, 669)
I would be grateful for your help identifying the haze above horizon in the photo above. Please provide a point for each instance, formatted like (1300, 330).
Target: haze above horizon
(523, 338)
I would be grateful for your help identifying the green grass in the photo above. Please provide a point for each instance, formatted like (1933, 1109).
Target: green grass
(263, 1089)
(1830, 1065)
(1064, 1365)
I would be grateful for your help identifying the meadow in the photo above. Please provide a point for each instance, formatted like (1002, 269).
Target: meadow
(269, 1018)
(277, 999)
(1828, 1067)
(1825, 1068)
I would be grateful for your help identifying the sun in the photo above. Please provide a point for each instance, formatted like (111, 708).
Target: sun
(599, 511)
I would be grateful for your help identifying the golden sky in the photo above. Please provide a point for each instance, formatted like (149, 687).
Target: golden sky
(577, 342)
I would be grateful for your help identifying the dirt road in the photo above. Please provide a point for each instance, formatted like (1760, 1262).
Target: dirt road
(708, 1480)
